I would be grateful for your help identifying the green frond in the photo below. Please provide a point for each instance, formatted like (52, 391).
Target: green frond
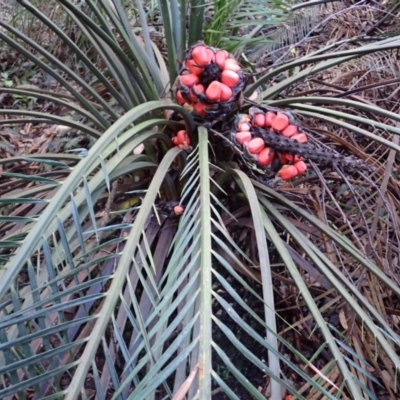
(134, 269)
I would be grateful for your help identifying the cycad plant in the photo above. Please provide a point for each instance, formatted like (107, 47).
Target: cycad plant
(132, 268)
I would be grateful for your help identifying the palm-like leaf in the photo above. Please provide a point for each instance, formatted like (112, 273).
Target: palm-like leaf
(132, 302)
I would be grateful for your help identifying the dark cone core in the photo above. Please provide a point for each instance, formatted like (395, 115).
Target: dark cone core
(211, 73)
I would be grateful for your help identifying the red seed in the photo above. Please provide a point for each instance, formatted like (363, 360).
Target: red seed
(213, 91)
(259, 120)
(178, 210)
(300, 137)
(192, 67)
(232, 65)
(182, 137)
(255, 145)
(220, 57)
(202, 56)
(244, 126)
(210, 55)
(280, 122)
(189, 80)
(288, 172)
(287, 157)
(179, 98)
(269, 118)
(266, 156)
(290, 131)
(243, 137)
(301, 167)
(226, 92)
(196, 90)
(200, 109)
(230, 78)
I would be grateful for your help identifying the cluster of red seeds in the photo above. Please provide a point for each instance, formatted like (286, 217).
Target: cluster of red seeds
(264, 155)
(181, 140)
(209, 82)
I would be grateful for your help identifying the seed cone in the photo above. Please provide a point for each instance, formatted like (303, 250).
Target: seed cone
(289, 146)
(220, 76)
